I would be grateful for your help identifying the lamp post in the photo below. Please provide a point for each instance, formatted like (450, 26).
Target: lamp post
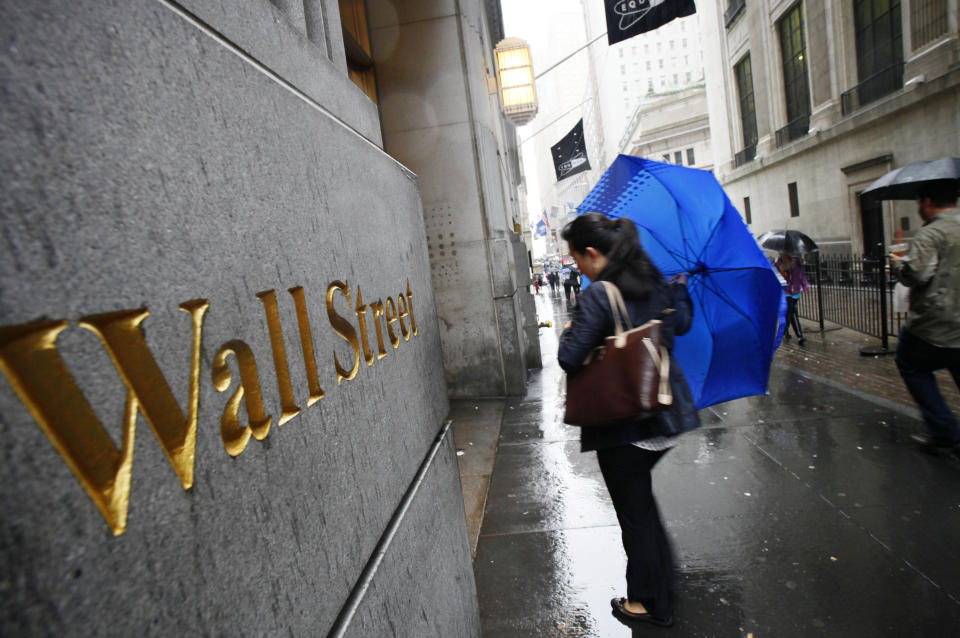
(515, 80)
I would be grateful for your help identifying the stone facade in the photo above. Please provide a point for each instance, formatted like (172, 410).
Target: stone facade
(673, 128)
(274, 460)
(854, 132)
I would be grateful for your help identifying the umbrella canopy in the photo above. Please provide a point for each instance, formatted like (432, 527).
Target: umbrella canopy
(687, 224)
(904, 182)
(792, 242)
(565, 271)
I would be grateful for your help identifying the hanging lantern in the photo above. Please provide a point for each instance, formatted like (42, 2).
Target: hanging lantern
(518, 94)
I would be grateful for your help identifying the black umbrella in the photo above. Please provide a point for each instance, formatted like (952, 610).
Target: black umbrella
(792, 242)
(904, 182)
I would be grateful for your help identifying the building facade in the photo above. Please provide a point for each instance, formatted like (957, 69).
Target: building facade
(672, 128)
(249, 250)
(811, 101)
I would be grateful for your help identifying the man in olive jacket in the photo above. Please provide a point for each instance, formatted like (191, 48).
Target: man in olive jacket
(930, 341)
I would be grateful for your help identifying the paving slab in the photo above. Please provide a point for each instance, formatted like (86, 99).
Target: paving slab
(804, 512)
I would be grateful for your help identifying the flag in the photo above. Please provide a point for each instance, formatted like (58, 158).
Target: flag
(627, 18)
(541, 229)
(570, 153)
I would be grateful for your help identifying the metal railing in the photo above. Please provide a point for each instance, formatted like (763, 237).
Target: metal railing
(746, 155)
(734, 9)
(853, 291)
(873, 88)
(794, 130)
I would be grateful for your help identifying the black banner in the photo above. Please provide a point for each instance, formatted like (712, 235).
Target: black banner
(570, 153)
(627, 18)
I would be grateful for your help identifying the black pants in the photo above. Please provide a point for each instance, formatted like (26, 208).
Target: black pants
(793, 316)
(626, 471)
(917, 360)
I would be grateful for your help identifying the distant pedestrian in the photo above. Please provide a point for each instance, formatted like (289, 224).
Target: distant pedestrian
(575, 279)
(930, 340)
(567, 287)
(537, 283)
(554, 279)
(609, 250)
(791, 268)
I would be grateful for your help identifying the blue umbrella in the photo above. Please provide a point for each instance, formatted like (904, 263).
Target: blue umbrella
(687, 224)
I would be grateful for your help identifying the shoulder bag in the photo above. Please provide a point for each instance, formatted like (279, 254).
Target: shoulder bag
(627, 375)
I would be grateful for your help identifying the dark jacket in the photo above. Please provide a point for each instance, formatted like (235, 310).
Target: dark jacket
(593, 322)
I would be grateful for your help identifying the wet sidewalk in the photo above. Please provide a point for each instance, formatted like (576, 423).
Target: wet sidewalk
(805, 512)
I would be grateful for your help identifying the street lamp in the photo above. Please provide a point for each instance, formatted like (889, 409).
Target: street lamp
(518, 94)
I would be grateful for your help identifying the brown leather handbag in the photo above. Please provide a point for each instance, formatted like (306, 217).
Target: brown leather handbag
(629, 374)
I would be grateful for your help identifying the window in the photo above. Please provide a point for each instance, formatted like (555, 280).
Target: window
(928, 21)
(678, 157)
(633, 50)
(666, 158)
(356, 43)
(748, 112)
(794, 202)
(661, 63)
(746, 210)
(650, 85)
(686, 59)
(671, 45)
(659, 47)
(676, 79)
(646, 49)
(648, 65)
(621, 53)
(793, 48)
(623, 69)
(689, 76)
(684, 43)
(879, 39)
(690, 161)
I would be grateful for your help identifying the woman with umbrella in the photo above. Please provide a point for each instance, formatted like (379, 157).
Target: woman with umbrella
(609, 250)
(791, 268)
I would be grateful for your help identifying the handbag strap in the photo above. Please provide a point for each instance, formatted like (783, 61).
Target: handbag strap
(621, 318)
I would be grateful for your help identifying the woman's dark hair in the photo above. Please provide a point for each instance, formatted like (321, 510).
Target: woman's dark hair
(618, 241)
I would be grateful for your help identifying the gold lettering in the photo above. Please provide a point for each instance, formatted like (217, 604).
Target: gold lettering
(306, 344)
(235, 438)
(390, 315)
(401, 315)
(362, 321)
(123, 340)
(30, 360)
(287, 402)
(413, 322)
(343, 328)
(377, 307)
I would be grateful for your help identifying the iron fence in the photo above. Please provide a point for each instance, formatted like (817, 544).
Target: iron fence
(794, 130)
(746, 155)
(853, 291)
(873, 88)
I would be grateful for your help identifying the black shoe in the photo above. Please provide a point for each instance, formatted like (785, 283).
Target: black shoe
(935, 447)
(620, 610)
(801, 341)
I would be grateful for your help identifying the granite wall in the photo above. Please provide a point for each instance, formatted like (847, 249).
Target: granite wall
(151, 158)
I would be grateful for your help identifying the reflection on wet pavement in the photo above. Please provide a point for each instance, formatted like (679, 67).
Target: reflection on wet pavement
(804, 512)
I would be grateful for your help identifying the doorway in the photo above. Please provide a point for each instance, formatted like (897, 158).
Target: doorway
(871, 223)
